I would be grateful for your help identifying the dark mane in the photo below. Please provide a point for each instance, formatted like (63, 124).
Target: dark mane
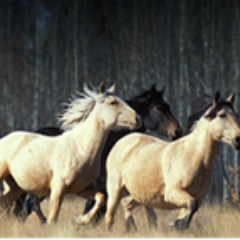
(196, 114)
(142, 95)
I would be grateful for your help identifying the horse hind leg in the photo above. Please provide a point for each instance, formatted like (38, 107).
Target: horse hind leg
(37, 208)
(18, 206)
(152, 217)
(13, 193)
(128, 203)
(33, 204)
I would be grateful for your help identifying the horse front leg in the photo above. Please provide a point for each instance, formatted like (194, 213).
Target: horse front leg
(100, 213)
(182, 199)
(90, 193)
(56, 197)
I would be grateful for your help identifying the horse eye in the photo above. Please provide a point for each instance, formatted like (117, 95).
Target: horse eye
(157, 108)
(114, 103)
(222, 115)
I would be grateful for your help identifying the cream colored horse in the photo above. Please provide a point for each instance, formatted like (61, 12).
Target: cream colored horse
(67, 163)
(170, 175)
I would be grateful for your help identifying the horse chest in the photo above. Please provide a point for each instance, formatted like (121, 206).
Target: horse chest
(200, 184)
(80, 178)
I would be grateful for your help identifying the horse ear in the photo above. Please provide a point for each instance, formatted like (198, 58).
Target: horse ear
(162, 90)
(216, 99)
(153, 88)
(231, 98)
(112, 88)
(102, 88)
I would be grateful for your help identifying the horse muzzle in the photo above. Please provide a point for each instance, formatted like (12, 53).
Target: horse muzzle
(138, 122)
(236, 143)
(177, 134)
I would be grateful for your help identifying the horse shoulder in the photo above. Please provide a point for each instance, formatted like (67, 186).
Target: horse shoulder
(182, 170)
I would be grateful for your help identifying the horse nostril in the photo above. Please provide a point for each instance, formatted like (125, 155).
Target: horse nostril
(178, 132)
(139, 120)
(237, 140)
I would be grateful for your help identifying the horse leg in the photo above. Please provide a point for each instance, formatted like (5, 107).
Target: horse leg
(33, 204)
(90, 193)
(115, 193)
(6, 189)
(37, 209)
(55, 201)
(152, 217)
(13, 193)
(181, 215)
(182, 199)
(88, 206)
(128, 203)
(100, 213)
(18, 206)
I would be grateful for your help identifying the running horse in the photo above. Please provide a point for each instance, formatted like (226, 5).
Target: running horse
(156, 115)
(178, 175)
(70, 162)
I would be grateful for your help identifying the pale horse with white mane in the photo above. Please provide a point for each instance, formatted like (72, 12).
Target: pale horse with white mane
(68, 163)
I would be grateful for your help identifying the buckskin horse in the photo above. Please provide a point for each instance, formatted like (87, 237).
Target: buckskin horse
(70, 162)
(178, 174)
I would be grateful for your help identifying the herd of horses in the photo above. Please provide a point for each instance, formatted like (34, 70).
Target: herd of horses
(101, 153)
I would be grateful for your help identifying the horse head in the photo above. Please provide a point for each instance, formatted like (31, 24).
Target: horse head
(222, 119)
(159, 116)
(114, 112)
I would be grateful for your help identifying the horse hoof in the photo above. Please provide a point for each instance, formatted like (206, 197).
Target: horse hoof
(80, 220)
(171, 224)
(75, 219)
(180, 224)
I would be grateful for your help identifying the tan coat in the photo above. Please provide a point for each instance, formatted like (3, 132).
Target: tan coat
(170, 175)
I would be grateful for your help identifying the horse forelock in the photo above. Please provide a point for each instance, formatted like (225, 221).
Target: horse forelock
(79, 108)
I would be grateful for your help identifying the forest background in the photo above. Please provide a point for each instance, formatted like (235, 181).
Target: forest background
(50, 48)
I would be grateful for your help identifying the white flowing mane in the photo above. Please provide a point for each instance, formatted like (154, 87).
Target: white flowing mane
(79, 108)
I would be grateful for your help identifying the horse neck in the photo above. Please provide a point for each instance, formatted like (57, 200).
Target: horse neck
(205, 145)
(90, 136)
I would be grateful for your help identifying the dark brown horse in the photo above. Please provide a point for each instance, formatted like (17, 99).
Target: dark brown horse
(156, 115)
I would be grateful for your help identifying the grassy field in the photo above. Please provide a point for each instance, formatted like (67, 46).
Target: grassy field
(209, 221)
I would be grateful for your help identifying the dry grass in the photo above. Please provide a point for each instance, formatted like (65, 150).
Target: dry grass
(209, 221)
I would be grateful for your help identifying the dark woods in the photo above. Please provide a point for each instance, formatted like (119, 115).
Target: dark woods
(49, 48)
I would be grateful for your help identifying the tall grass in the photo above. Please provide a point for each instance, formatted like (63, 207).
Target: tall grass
(209, 221)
